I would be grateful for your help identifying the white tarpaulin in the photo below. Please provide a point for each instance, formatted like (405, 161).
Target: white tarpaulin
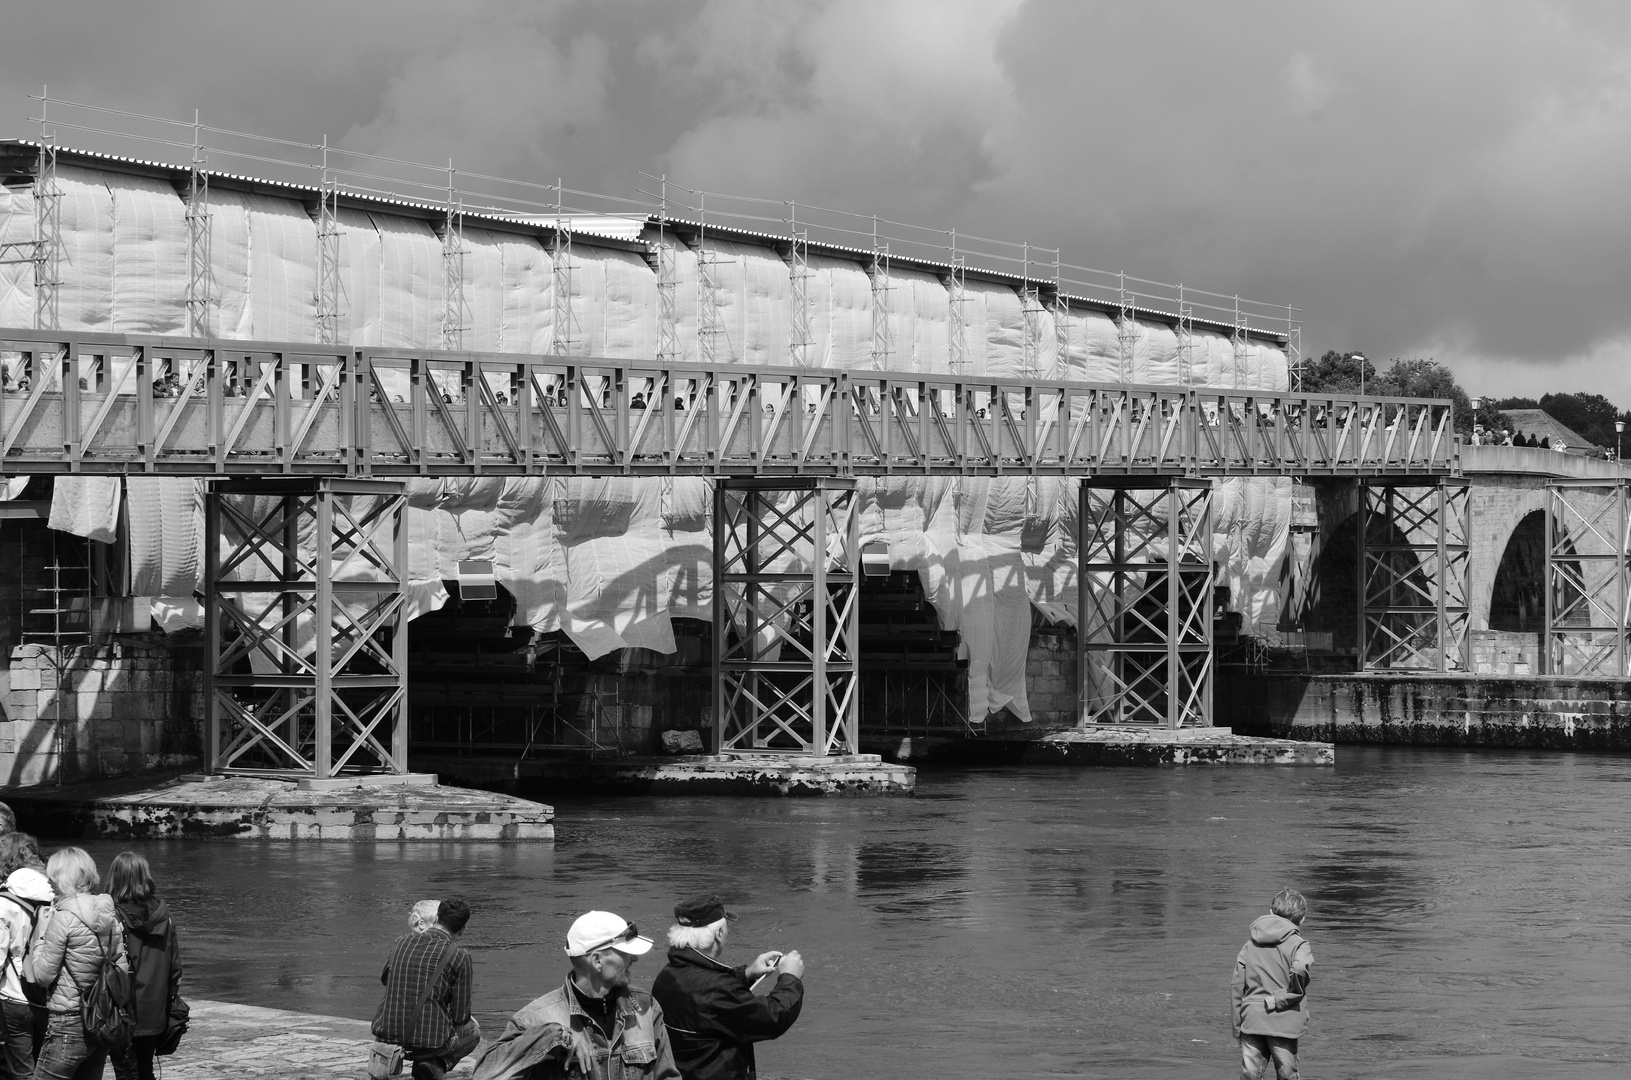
(612, 561)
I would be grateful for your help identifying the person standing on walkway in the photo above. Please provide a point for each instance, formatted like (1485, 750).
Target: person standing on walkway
(82, 935)
(713, 1015)
(1270, 988)
(25, 894)
(596, 1026)
(426, 1008)
(155, 961)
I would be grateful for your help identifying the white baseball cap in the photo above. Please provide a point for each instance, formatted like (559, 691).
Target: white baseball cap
(596, 930)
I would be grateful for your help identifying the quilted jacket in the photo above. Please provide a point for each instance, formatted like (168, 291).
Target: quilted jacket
(68, 954)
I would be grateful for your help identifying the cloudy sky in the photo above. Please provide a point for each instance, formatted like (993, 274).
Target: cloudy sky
(1446, 179)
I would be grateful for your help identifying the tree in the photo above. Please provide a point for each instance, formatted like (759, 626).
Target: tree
(1427, 378)
(1336, 373)
(1592, 415)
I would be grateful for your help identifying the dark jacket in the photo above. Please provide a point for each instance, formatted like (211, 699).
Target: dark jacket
(1271, 980)
(155, 961)
(714, 1018)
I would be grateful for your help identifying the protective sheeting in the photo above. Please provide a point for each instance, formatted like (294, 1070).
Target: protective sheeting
(86, 506)
(166, 544)
(610, 562)
(17, 273)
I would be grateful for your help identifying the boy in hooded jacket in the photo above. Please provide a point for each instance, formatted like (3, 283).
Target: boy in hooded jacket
(1270, 987)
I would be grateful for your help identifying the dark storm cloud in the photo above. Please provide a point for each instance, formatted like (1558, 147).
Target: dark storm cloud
(1441, 179)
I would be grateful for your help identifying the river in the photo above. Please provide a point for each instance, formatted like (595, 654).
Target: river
(1470, 913)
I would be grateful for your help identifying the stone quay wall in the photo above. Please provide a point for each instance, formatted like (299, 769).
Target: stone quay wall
(92, 712)
(1536, 712)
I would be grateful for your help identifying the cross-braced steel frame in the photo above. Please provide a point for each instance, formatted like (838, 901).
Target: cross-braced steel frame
(1413, 562)
(307, 668)
(786, 615)
(1588, 578)
(1144, 628)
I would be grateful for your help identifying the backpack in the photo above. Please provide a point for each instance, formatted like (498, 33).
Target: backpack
(33, 991)
(107, 1007)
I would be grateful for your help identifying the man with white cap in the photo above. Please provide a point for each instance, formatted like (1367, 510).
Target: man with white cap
(596, 1025)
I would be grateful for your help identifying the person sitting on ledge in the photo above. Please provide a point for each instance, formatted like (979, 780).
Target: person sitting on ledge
(426, 1009)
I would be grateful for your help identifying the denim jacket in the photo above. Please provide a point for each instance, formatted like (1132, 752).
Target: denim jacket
(637, 1050)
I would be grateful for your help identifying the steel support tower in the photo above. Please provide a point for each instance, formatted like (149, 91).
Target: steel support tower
(1413, 560)
(1588, 579)
(786, 615)
(1144, 625)
(308, 647)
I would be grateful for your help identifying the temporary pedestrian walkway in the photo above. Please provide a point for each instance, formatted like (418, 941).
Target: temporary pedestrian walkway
(307, 446)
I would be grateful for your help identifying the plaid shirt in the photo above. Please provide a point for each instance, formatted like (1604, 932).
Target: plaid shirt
(413, 958)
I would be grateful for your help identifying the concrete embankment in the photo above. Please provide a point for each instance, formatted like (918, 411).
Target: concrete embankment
(1537, 712)
(704, 774)
(194, 807)
(1111, 746)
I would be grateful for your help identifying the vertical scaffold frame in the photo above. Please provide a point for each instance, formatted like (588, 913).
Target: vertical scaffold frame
(1145, 581)
(1588, 579)
(1412, 575)
(307, 636)
(786, 616)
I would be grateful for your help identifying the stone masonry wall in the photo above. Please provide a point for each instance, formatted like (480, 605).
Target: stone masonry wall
(1536, 712)
(1505, 652)
(98, 711)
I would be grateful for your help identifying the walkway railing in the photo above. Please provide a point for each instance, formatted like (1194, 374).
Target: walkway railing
(107, 403)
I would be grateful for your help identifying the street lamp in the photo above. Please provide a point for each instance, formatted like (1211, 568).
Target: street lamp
(1361, 358)
(1477, 403)
(1619, 429)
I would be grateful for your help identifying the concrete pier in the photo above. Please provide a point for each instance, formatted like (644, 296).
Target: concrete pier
(195, 807)
(1111, 746)
(706, 774)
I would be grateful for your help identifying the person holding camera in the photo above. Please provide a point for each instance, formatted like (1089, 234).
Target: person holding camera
(715, 1012)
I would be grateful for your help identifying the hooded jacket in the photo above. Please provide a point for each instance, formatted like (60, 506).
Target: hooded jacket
(1271, 978)
(714, 1017)
(155, 961)
(27, 893)
(83, 929)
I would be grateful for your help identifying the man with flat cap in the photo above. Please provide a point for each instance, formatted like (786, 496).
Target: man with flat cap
(595, 1026)
(713, 1015)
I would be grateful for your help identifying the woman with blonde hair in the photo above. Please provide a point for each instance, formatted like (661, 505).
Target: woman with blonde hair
(82, 935)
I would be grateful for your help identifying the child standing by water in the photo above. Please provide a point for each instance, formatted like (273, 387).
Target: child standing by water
(1269, 988)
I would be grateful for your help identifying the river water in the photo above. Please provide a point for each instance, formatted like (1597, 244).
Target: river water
(1468, 912)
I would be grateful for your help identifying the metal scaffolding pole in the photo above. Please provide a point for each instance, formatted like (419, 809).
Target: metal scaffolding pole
(328, 255)
(1144, 626)
(798, 269)
(1588, 579)
(1412, 575)
(1126, 327)
(200, 276)
(307, 639)
(957, 299)
(786, 616)
(455, 305)
(883, 334)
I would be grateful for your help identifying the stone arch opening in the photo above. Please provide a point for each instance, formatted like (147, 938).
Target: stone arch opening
(1334, 609)
(1518, 597)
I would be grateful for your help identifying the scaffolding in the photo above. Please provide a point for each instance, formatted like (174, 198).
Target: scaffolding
(1031, 312)
(798, 270)
(1185, 327)
(1588, 579)
(883, 334)
(1145, 583)
(1126, 328)
(455, 304)
(956, 301)
(786, 615)
(668, 317)
(328, 255)
(560, 254)
(200, 275)
(305, 628)
(1413, 563)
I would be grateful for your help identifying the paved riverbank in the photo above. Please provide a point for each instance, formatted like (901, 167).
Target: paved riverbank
(237, 1042)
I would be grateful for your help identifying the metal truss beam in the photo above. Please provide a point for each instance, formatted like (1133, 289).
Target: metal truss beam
(1144, 609)
(786, 616)
(1588, 579)
(307, 640)
(1413, 562)
(267, 408)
